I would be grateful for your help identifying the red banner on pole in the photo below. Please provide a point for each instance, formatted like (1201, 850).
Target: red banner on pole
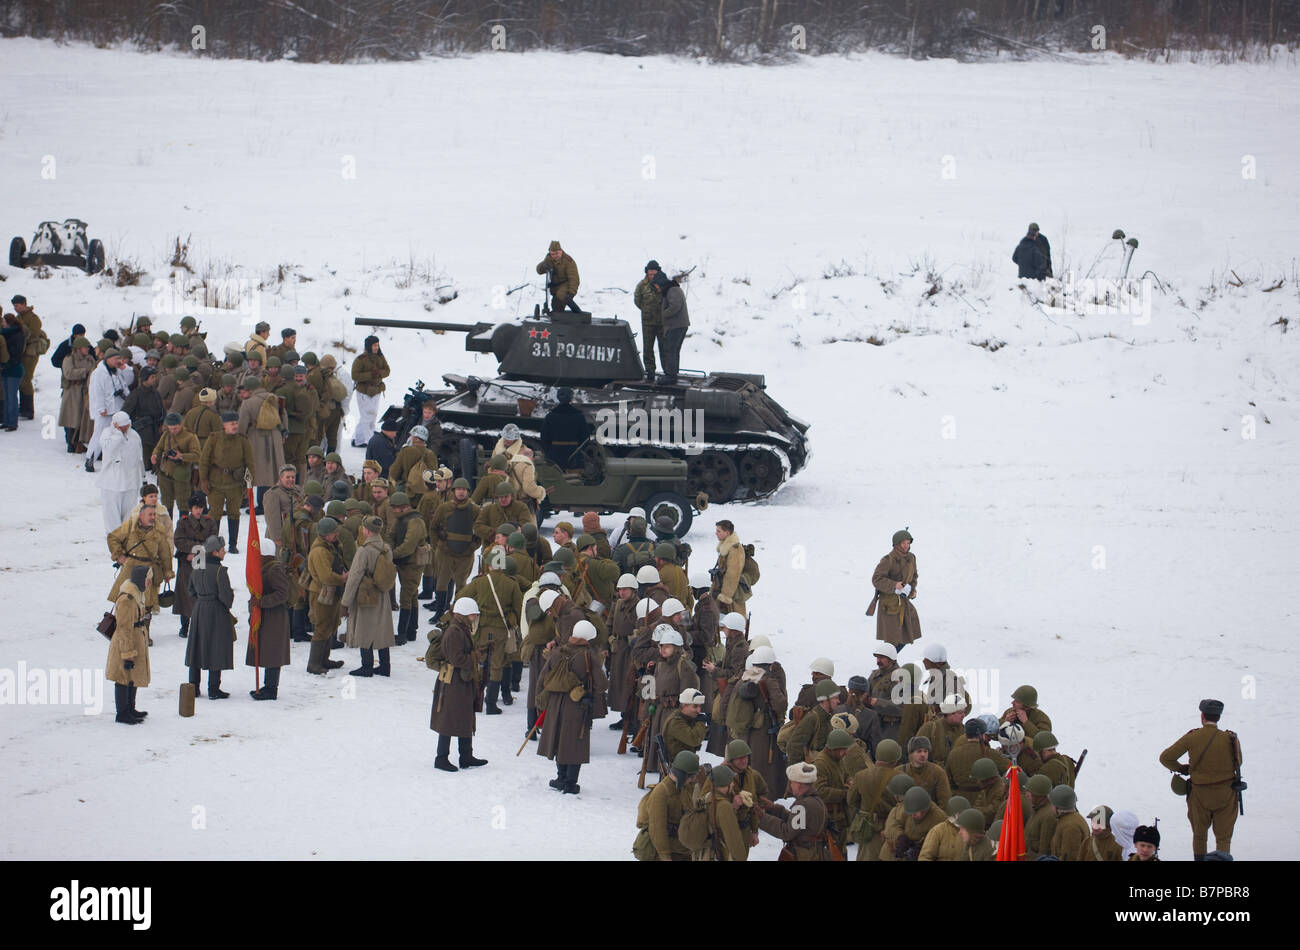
(1011, 843)
(253, 574)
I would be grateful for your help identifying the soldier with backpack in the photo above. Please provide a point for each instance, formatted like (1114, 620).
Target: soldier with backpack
(365, 599)
(453, 654)
(573, 688)
(636, 551)
(736, 571)
(453, 527)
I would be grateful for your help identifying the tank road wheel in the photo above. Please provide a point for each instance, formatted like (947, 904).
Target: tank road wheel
(760, 471)
(674, 506)
(650, 452)
(17, 251)
(713, 473)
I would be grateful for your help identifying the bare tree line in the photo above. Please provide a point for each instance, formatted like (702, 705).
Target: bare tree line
(734, 30)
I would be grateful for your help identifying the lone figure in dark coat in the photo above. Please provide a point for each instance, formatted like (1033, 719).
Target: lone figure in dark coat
(1033, 254)
(564, 429)
(211, 643)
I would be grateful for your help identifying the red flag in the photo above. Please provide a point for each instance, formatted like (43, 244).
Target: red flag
(253, 574)
(1011, 844)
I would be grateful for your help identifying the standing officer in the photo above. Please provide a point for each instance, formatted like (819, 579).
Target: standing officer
(1214, 785)
(650, 302)
(895, 582)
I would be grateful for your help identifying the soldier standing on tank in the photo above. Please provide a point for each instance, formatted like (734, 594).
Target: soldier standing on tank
(1214, 778)
(650, 302)
(563, 279)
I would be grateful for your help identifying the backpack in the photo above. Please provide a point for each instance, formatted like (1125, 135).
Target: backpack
(385, 573)
(640, 554)
(434, 657)
(694, 831)
(783, 735)
(268, 413)
(334, 389)
(39, 343)
(749, 573)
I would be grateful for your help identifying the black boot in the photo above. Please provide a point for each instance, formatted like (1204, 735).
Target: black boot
(443, 761)
(135, 712)
(367, 663)
(561, 777)
(467, 760)
(403, 620)
(506, 698)
(516, 675)
(122, 701)
(490, 708)
(571, 786)
(383, 669)
(325, 655)
(413, 625)
(616, 726)
(426, 588)
(232, 529)
(270, 686)
(185, 626)
(67, 437)
(214, 686)
(316, 660)
(261, 492)
(26, 406)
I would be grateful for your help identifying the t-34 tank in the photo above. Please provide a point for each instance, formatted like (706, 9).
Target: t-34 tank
(738, 443)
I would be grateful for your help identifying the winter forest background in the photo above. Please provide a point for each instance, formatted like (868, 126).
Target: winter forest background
(726, 30)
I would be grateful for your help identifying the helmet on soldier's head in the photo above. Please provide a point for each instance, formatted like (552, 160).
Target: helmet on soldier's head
(888, 750)
(548, 579)
(887, 650)
(667, 635)
(672, 607)
(584, 630)
(636, 513)
(839, 739)
(400, 500)
(721, 776)
(1044, 740)
(901, 536)
(951, 704)
(626, 581)
(983, 769)
(666, 552)
(643, 607)
(734, 621)
(566, 557)
(1039, 785)
(956, 805)
(505, 489)
(762, 655)
(995, 830)
(900, 783)
(916, 799)
(336, 510)
(340, 490)
(826, 689)
(326, 525)
(737, 748)
(584, 541)
(822, 665)
(971, 821)
(547, 599)
(990, 723)
(517, 540)
(1026, 695)
(460, 483)
(648, 575)
(687, 762)
(758, 639)
(1063, 797)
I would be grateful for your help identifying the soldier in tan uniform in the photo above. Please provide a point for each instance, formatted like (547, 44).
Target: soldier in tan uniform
(225, 460)
(803, 825)
(1071, 830)
(660, 813)
(895, 582)
(1214, 758)
(562, 281)
(175, 456)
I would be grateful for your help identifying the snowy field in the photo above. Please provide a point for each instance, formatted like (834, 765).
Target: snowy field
(1104, 506)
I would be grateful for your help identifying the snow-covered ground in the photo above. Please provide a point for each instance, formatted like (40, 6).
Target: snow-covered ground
(1103, 505)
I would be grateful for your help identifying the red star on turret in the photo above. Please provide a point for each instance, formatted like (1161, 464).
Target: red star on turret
(546, 334)
(532, 334)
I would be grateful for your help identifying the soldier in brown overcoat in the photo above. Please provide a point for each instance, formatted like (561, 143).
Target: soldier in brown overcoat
(895, 582)
(128, 651)
(272, 650)
(456, 691)
(192, 529)
(573, 684)
(673, 672)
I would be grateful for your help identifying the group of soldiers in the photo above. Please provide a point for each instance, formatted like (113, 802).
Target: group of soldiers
(891, 763)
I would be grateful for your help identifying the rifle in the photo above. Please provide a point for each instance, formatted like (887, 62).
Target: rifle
(871, 608)
(1238, 785)
(1078, 766)
(640, 739)
(661, 752)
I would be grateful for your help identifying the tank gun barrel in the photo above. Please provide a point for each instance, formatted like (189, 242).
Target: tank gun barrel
(422, 325)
